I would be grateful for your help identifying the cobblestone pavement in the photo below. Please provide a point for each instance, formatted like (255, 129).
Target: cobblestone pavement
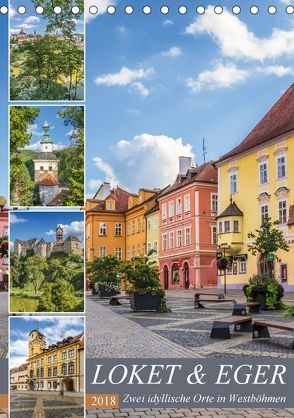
(28, 405)
(190, 413)
(116, 331)
(3, 324)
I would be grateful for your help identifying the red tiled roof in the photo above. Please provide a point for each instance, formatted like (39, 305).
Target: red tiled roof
(204, 173)
(119, 195)
(59, 199)
(49, 180)
(278, 120)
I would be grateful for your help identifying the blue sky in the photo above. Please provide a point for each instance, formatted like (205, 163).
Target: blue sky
(158, 84)
(59, 132)
(28, 225)
(54, 329)
(3, 103)
(31, 21)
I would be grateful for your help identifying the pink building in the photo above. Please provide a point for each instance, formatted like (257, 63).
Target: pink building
(3, 260)
(187, 250)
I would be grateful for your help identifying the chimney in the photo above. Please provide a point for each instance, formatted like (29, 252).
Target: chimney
(185, 163)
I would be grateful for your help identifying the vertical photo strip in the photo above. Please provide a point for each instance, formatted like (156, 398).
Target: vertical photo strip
(47, 51)
(46, 373)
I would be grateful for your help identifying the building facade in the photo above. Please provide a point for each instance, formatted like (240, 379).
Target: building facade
(19, 377)
(58, 367)
(70, 245)
(255, 181)
(187, 228)
(152, 236)
(3, 235)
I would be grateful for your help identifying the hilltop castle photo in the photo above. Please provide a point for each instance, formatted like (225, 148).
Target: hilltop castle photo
(71, 245)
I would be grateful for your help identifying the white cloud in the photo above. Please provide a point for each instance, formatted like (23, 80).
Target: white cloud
(124, 77)
(107, 170)
(222, 76)
(147, 160)
(102, 8)
(277, 70)
(122, 29)
(168, 22)
(140, 89)
(32, 19)
(94, 184)
(173, 52)
(75, 228)
(235, 40)
(15, 219)
(36, 146)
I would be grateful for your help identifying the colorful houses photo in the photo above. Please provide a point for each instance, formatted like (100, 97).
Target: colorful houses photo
(4, 263)
(208, 212)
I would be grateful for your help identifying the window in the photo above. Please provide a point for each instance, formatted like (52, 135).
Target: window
(118, 229)
(179, 206)
(236, 226)
(54, 385)
(102, 251)
(49, 360)
(164, 242)
(42, 372)
(171, 240)
(187, 203)
(71, 353)
(229, 268)
(55, 371)
(128, 228)
(175, 274)
(263, 173)
(50, 167)
(138, 225)
(42, 168)
(227, 226)
(138, 249)
(155, 246)
(149, 225)
(233, 183)
(283, 212)
(55, 358)
(155, 223)
(281, 167)
(64, 369)
(118, 253)
(264, 213)
(71, 368)
(163, 215)
(214, 202)
(149, 247)
(102, 228)
(110, 206)
(64, 355)
(133, 251)
(49, 385)
(242, 267)
(128, 253)
(187, 236)
(171, 209)
(179, 238)
(133, 227)
(214, 235)
(220, 227)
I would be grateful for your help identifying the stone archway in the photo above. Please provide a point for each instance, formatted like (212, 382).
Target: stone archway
(68, 385)
(31, 385)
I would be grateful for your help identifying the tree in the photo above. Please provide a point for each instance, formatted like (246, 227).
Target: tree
(105, 270)
(59, 297)
(267, 241)
(21, 185)
(143, 275)
(35, 267)
(74, 117)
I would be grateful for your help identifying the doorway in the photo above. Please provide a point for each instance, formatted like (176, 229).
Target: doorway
(186, 276)
(165, 277)
(284, 273)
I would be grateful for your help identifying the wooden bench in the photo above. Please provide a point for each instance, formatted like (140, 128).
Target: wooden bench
(114, 300)
(214, 298)
(221, 329)
(240, 308)
(260, 329)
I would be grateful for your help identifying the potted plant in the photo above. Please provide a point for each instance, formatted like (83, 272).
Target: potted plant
(145, 290)
(104, 275)
(265, 290)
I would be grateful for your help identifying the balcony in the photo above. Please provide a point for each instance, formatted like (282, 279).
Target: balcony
(232, 241)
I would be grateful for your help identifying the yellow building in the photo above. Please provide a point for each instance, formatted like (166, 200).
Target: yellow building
(19, 377)
(58, 367)
(106, 224)
(138, 205)
(152, 237)
(256, 180)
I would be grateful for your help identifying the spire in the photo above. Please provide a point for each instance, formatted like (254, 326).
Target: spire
(46, 136)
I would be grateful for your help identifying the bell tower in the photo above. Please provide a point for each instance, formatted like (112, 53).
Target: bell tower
(46, 142)
(37, 342)
(59, 235)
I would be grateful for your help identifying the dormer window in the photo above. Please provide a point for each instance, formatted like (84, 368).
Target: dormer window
(110, 205)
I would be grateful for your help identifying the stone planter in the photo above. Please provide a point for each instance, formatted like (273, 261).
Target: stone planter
(103, 292)
(144, 302)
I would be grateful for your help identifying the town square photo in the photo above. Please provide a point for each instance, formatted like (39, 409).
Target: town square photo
(189, 215)
(46, 366)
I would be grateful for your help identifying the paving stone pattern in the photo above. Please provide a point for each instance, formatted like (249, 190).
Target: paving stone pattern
(116, 331)
(39, 405)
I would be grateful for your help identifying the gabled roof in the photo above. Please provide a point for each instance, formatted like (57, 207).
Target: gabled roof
(278, 120)
(60, 198)
(121, 201)
(49, 180)
(204, 173)
(232, 210)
